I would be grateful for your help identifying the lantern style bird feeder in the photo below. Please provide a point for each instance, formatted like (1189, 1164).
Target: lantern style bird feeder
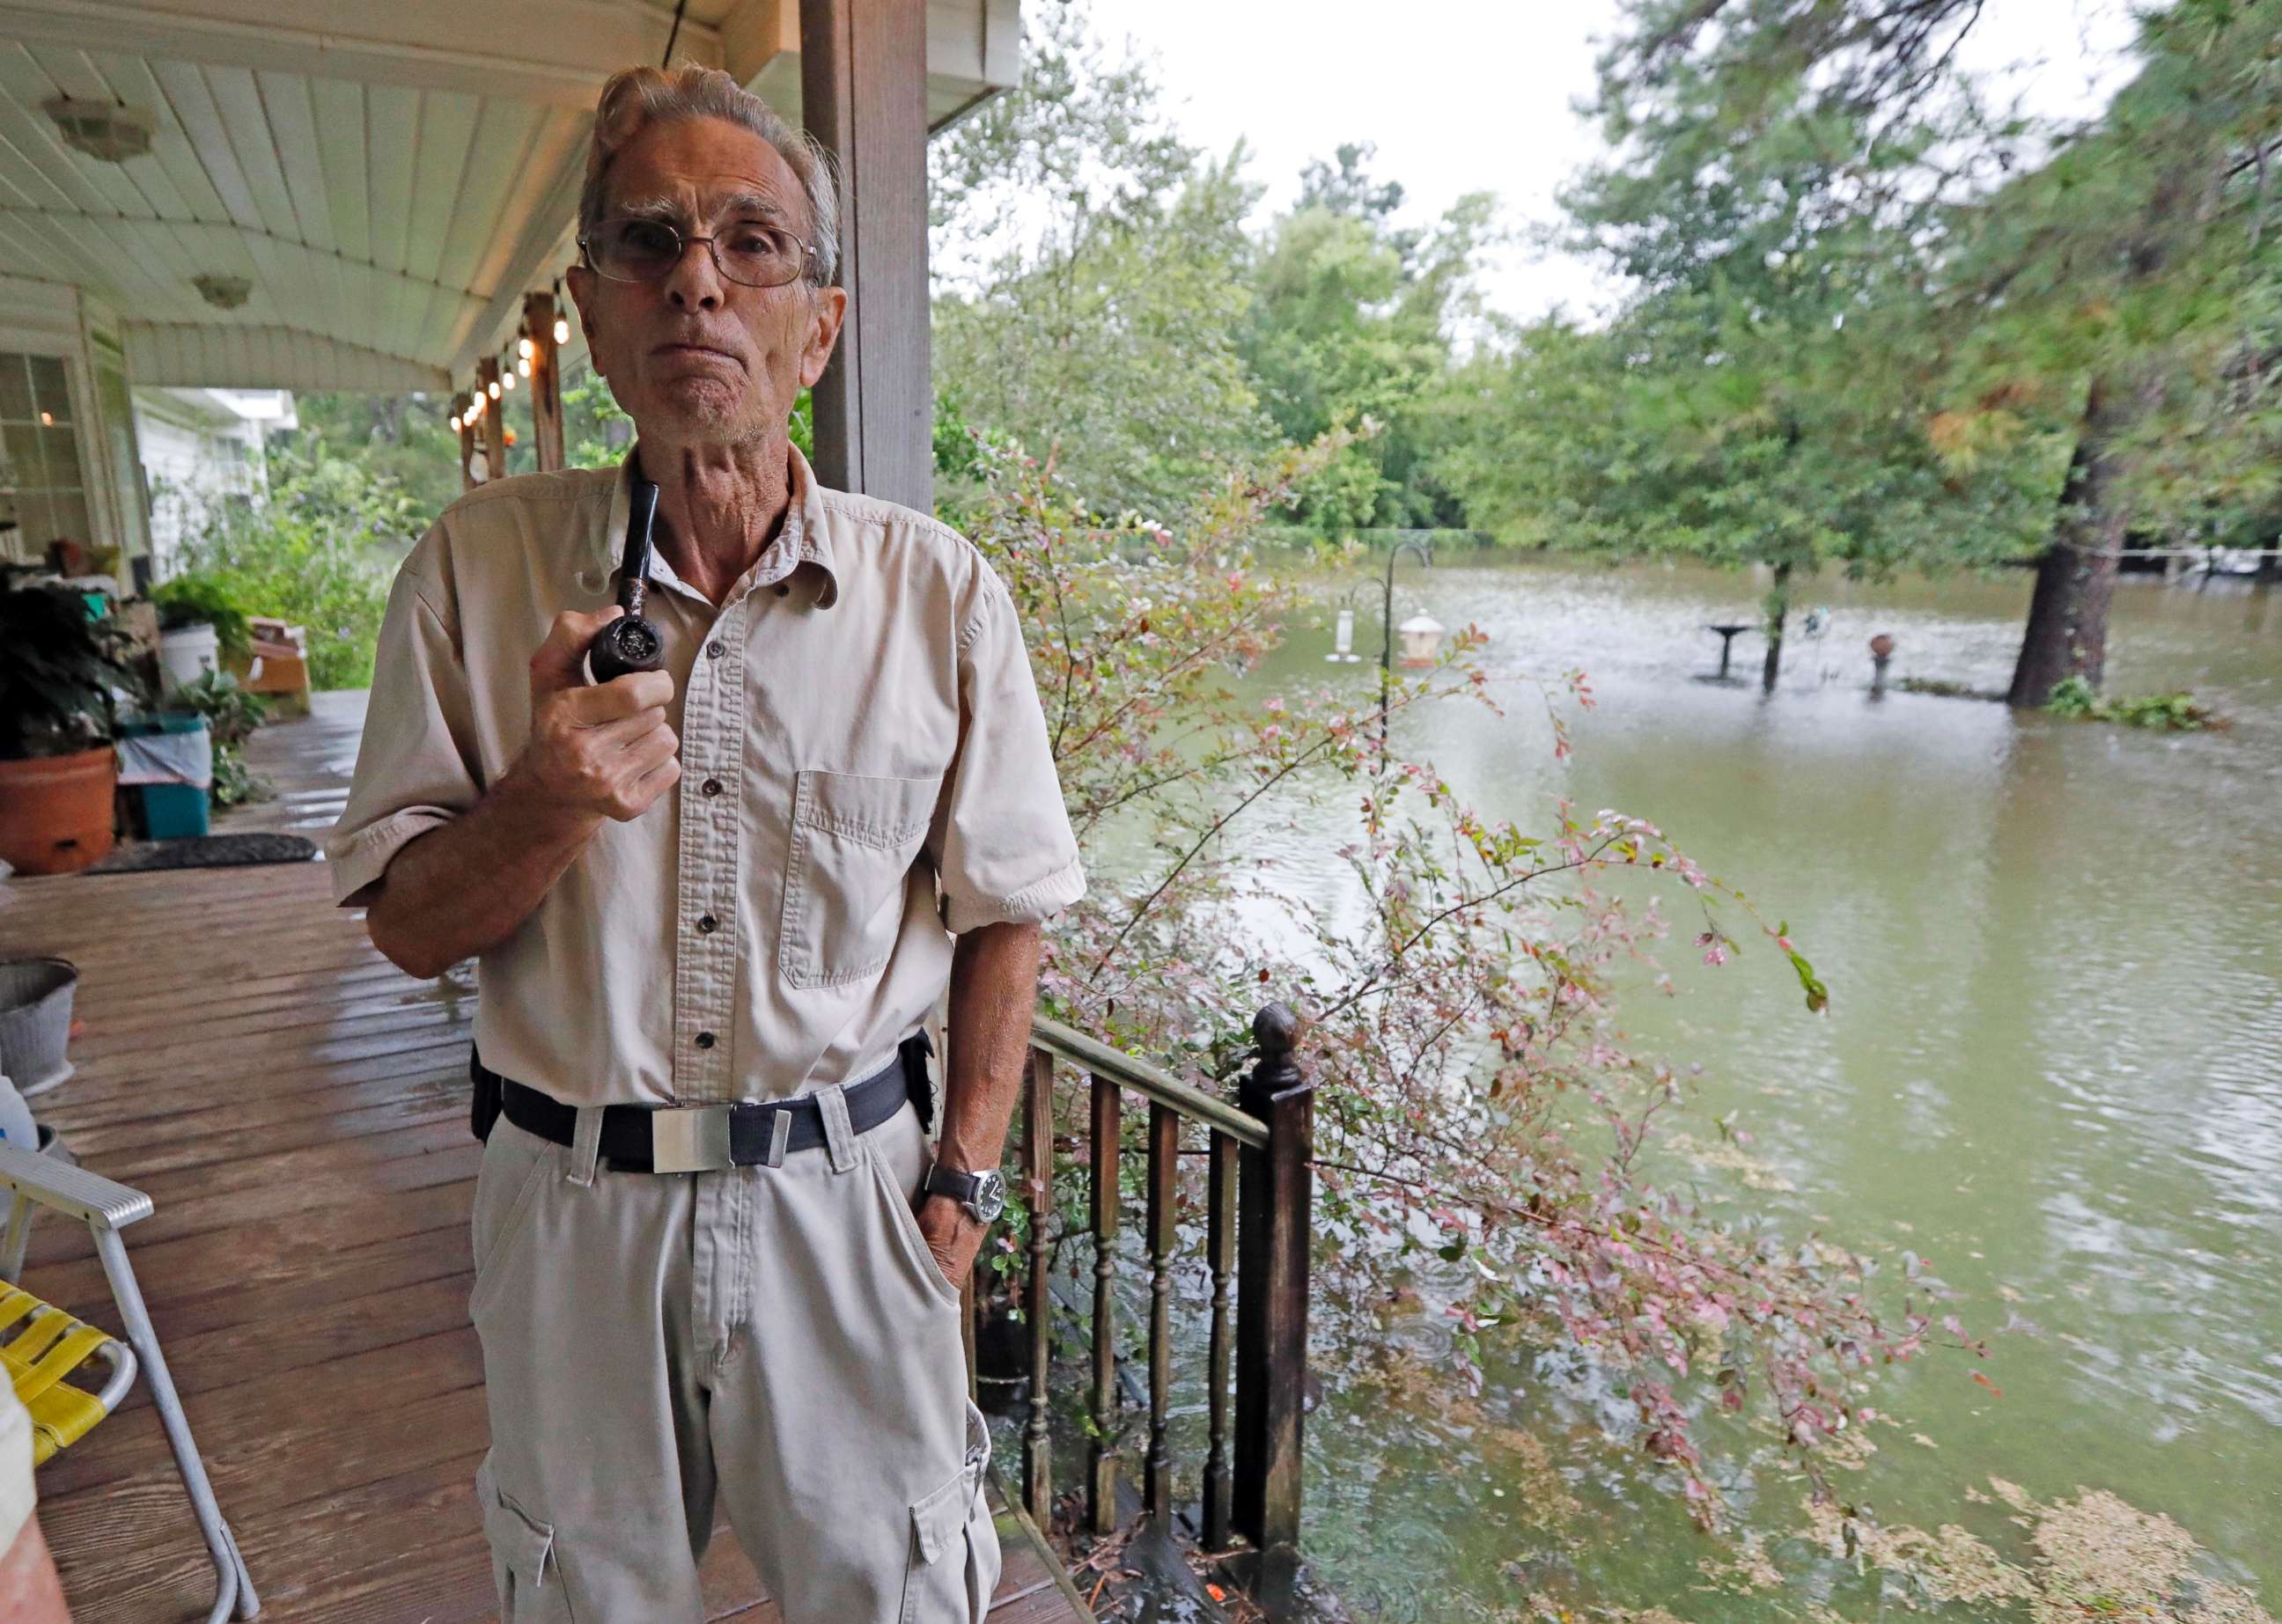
(1421, 635)
(1343, 641)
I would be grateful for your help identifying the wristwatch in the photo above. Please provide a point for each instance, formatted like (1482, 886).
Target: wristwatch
(983, 1194)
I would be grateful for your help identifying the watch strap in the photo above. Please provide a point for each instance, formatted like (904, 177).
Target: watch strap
(941, 1180)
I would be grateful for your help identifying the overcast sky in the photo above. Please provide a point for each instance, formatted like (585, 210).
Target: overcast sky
(1475, 95)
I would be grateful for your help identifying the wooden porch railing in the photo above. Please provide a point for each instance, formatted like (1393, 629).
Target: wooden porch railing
(1260, 1192)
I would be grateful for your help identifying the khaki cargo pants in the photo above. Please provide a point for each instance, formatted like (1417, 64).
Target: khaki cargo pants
(778, 1337)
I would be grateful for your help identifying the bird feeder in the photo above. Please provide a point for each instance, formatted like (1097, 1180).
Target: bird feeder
(1421, 635)
(1343, 640)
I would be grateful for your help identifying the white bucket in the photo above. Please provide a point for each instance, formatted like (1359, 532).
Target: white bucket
(16, 1125)
(186, 653)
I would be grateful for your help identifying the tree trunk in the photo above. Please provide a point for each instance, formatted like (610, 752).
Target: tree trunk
(1778, 611)
(2066, 633)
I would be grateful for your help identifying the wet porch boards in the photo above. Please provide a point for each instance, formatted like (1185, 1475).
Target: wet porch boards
(297, 1109)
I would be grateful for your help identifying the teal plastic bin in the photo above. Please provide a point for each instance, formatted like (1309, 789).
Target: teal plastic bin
(171, 811)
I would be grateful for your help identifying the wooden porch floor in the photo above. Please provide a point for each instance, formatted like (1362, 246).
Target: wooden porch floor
(296, 1107)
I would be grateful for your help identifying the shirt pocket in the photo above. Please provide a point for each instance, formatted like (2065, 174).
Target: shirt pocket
(854, 838)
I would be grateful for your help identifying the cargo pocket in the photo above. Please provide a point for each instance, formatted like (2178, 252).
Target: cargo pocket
(954, 1552)
(854, 838)
(526, 1568)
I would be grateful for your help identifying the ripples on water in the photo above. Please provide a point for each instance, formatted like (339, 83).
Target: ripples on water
(2051, 1063)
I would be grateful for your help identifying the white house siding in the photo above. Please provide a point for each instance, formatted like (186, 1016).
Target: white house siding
(201, 449)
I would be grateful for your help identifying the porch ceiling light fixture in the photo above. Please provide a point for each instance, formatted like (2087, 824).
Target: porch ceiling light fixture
(222, 293)
(112, 131)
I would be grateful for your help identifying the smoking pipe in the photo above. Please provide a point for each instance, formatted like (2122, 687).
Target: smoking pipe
(631, 643)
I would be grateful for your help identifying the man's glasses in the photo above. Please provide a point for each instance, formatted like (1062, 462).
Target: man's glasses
(746, 251)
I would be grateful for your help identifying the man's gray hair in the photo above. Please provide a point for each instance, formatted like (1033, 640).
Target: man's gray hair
(637, 97)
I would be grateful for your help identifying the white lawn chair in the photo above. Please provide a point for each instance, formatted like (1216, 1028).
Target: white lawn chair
(107, 1208)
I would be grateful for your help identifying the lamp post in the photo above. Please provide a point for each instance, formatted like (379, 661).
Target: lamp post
(1387, 634)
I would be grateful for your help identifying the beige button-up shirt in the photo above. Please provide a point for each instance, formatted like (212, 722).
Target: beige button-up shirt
(865, 771)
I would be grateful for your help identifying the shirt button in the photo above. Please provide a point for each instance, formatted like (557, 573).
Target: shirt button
(711, 787)
(705, 1039)
(708, 923)
(715, 648)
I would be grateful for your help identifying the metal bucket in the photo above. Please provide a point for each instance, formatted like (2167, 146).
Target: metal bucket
(36, 1006)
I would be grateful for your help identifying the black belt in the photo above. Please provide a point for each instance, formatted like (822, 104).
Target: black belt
(694, 1139)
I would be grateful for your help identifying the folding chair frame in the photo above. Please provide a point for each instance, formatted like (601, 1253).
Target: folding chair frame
(107, 1208)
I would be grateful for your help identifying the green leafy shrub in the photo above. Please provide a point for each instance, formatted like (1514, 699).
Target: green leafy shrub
(319, 553)
(2166, 713)
(200, 597)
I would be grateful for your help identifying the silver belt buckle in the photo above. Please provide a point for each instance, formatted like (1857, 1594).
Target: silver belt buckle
(689, 1139)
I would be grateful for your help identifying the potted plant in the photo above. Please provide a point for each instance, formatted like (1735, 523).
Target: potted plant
(201, 624)
(63, 663)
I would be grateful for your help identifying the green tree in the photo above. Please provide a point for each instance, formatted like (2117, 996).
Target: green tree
(2125, 293)
(2081, 315)
(405, 440)
(1091, 269)
(1351, 325)
(1766, 394)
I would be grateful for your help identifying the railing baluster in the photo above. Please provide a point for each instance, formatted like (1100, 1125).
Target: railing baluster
(1164, 1171)
(1219, 1254)
(1038, 1159)
(1102, 1453)
(1257, 1227)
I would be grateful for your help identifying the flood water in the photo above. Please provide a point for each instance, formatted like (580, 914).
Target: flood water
(2052, 1065)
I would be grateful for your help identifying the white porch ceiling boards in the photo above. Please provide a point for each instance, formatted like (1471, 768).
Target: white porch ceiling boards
(389, 176)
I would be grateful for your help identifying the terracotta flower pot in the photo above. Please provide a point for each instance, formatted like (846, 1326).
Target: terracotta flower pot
(56, 810)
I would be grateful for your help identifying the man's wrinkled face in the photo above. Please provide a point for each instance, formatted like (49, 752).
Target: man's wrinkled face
(694, 356)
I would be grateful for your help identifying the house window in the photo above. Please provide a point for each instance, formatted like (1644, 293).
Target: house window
(42, 496)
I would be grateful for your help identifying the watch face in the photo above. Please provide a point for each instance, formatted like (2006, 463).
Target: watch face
(990, 1198)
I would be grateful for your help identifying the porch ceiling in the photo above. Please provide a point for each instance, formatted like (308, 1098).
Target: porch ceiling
(389, 179)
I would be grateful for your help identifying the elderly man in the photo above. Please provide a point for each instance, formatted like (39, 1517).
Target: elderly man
(713, 905)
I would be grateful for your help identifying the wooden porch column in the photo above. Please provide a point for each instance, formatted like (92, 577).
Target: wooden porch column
(487, 373)
(863, 80)
(545, 381)
(462, 404)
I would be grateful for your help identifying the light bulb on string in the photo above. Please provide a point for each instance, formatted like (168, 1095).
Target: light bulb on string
(526, 347)
(455, 422)
(524, 368)
(507, 380)
(562, 331)
(492, 389)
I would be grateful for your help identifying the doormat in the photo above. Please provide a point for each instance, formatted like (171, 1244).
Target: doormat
(210, 851)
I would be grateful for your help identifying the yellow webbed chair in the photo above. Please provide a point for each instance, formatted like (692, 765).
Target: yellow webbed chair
(43, 1346)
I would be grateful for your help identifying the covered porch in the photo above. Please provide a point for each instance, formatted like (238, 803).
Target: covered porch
(218, 195)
